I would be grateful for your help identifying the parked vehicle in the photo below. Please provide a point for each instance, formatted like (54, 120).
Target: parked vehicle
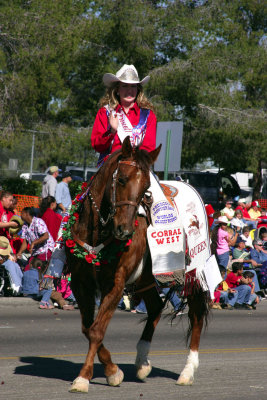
(85, 174)
(214, 188)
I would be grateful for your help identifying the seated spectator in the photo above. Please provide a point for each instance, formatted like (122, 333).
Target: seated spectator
(228, 211)
(254, 299)
(262, 218)
(50, 217)
(221, 240)
(235, 280)
(243, 256)
(11, 267)
(246, 236)
(252, 223)
(36, 235)
(32, 284)
(6, 200)
(257, 253)
(63, 293)
(227, 297)
(254, 211)
(237, 221)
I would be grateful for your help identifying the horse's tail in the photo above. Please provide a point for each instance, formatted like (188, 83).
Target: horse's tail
(199, 307)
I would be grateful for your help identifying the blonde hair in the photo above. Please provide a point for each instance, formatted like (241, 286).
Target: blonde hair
(112, 99)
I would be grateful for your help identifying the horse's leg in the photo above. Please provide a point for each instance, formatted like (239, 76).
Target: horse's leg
(85, 296)
(96, 333)
(154, 307)
(198, 310)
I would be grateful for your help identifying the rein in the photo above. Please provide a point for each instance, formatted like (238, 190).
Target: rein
(114, 204)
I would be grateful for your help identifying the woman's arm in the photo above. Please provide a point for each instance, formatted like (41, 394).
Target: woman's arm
(42, 239)
(102, 136)
(23, 247)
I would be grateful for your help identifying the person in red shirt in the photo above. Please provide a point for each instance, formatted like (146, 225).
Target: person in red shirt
(6, 201)
(252, 223)
(49, 216)
(125, 111)
(262, 219)
(235, 280)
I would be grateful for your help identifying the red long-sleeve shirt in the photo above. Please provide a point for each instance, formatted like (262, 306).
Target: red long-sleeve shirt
(101, 137)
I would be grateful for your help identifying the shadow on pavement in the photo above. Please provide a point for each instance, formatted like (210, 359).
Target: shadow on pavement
(67, 371)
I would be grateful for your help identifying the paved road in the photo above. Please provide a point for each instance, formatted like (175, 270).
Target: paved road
(43, 350)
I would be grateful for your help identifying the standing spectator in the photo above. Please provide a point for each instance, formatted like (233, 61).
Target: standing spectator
(210, 211)
(50, 217)
(36, 235)
(235, 280)
(228, 211)
(221, 240)
(50, 182)
(63, 193)
(6, 201)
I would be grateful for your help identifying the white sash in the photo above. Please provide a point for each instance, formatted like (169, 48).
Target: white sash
(125, 127)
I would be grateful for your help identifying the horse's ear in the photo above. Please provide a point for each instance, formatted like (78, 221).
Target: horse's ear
(127, 148)
(154, 154)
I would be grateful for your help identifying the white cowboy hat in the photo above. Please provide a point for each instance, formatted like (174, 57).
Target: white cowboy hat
(127, 74)
(5, 248)
(222, 220)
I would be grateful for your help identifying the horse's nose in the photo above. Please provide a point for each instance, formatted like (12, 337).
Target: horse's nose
(121, 233)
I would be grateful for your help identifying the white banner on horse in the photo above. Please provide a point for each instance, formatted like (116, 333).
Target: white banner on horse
(192, 220)
(165, 235)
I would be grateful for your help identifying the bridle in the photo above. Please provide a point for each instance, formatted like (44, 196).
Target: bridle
(114, 204)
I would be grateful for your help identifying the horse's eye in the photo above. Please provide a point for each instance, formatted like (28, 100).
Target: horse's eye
(122, 180)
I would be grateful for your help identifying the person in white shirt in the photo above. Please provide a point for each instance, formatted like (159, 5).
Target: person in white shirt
(50, 182)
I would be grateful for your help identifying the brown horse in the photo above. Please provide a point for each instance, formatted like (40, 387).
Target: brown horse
(110, 213)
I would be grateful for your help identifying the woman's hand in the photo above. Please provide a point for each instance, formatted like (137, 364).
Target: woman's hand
(113, 121)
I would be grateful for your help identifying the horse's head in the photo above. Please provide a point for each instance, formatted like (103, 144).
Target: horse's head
(130, 182)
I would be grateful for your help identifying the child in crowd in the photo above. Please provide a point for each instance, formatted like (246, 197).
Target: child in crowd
(254, 299)
(32, 283)
(262, 218)
(224, 294)
(246, 236)
(235, 280)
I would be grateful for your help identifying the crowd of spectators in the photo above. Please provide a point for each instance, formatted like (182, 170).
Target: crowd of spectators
(239, 242)
(27, 243)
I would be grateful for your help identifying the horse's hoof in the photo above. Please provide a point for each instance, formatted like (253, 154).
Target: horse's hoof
(115, 379)
(80, 385)
(184, 380)
(143, 371)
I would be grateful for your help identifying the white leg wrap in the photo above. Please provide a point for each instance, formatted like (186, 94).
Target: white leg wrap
(80, 385)
(187, 375)
(115, 379)
(142, 362)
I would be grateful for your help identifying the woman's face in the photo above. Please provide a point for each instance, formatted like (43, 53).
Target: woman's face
(7, 201)
(223, 226)
(53, 205)
(26, 217)
(127, 94)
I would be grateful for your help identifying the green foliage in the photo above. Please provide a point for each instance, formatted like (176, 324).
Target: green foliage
(207, 61)
(22, 186)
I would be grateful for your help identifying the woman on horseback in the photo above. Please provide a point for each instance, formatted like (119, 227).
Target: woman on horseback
(125, 111)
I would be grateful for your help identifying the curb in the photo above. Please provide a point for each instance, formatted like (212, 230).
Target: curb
(17, 301)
